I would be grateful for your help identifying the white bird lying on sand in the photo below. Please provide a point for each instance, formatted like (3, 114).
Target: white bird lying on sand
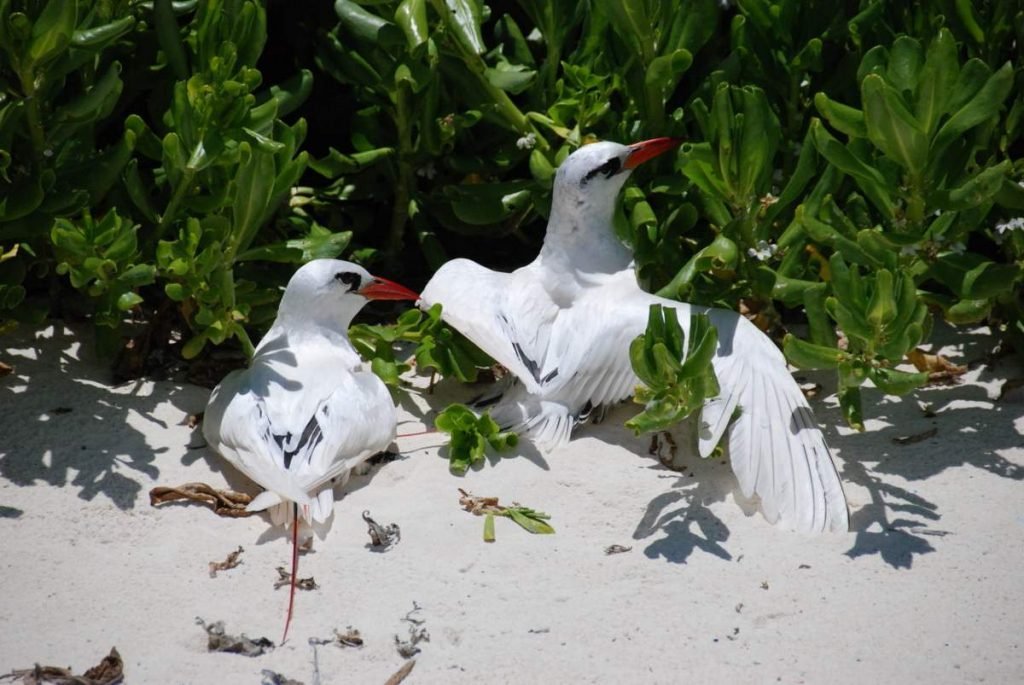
(563, 324)
(307, 410)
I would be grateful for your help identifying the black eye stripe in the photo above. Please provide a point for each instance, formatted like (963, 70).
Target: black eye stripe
(349, 278)
(609, 169)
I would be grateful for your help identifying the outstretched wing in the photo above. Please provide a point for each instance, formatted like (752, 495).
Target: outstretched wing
(776, 449)
(508, 316)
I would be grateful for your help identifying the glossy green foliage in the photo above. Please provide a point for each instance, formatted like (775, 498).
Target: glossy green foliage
(184, 184)
(676, 379)
(470, 436)
(437, 347)
(60, 80)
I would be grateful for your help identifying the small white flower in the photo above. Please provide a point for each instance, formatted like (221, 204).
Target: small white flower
(1011, 225)
(806, 82)
(428, 171)
(765, 250)
(527, 142)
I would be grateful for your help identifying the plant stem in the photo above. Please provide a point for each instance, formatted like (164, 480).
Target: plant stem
(172, 207)
(32, 112)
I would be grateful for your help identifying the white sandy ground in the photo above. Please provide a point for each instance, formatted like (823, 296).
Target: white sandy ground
(927, 588)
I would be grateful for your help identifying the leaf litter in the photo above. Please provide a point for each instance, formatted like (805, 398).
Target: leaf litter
(223, 502)
(350, 638)
(230, 562)
(417, 633)
(218, 640)
(382, 536)
(285, 579)
(274, 678)
(529, 519)
(110, 671)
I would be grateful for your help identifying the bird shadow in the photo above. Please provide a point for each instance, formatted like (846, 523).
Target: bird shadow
(680, 517)
(898, 523)
(904, 442)
(65, 425)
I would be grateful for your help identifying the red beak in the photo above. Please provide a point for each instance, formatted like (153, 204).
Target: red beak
(383, 289)
(649, 149)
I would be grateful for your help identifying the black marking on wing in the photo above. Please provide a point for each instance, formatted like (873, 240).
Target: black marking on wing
(551, 376)
(530, 365)
(311, 436)
(609, 169)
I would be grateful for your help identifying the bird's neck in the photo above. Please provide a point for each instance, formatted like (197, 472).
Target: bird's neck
(582, 239)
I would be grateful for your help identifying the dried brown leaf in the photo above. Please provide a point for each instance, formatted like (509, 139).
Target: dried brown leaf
(223, 502)
(936, 366)
(230, 562)
(5, 370)
(917, 437)
(479, 505)
(401, 674)
(109, 671)
(219, 641)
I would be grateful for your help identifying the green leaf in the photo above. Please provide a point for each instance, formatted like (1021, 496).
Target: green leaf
(938, 77)
(168, 35)
(412, 18)
(881, 308)
(464, 19)
(893, 382)
(848, 120)
(983, 106)
(891, 127)
(128, 300)
(367, 26)
(530, 520)
(489, 527)
(470, 436)
(52, 30)
(663, 74)
(805, 355)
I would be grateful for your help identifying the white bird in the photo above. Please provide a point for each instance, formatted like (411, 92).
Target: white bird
(307, 410)
(563, 324)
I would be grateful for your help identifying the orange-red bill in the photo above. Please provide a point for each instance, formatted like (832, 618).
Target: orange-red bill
(383, 289)
(649, 149)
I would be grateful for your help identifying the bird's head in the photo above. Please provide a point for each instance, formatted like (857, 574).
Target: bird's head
(331, 292)
(589, 180)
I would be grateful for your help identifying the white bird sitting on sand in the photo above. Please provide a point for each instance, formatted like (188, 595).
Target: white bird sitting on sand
(307, 410)
(563, 324)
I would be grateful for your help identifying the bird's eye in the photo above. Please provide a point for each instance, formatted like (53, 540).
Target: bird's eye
(349, 278)
(609, 169)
